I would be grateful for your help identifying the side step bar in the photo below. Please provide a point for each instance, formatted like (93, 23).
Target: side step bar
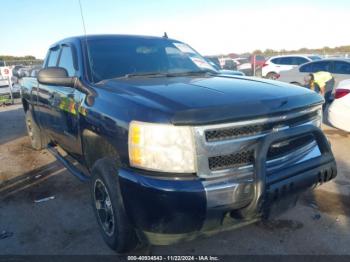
(70, 167)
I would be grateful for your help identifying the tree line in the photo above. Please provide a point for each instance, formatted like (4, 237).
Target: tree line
(17, 58)
(325, 50)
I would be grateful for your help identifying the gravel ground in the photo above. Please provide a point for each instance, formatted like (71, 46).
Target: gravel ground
(320, 224)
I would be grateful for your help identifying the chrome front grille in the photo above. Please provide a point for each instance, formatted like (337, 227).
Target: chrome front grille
(228, 149)
(249, 130)
(231, 160)
(285, 147)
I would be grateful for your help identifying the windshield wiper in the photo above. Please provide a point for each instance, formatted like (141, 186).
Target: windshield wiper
(197, 72)
(144, 74)
(168, 74)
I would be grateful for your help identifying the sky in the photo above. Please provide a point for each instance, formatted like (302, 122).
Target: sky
(211, 27)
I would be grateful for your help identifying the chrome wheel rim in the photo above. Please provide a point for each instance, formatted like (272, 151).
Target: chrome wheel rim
(104, 207)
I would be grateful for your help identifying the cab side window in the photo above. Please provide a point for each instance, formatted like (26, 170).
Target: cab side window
(66, 60)
(53, 57)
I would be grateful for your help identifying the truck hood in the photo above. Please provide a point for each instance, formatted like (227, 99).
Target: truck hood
(215, 99)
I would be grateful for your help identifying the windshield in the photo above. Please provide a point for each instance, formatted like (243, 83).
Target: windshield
(120, 57)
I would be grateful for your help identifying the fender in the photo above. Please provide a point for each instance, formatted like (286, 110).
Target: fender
(96, 147)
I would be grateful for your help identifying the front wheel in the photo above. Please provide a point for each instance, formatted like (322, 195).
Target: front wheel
(109, 210)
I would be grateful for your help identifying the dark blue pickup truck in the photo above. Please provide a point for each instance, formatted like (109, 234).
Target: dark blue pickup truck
(173, 149)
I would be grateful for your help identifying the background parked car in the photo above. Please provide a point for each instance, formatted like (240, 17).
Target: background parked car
(213, 59)
(231, 72)
(244, 65)
(3, 79)
(259, 60)
(276, 64)
(229, 64)
(339, 110)
(224, 71)
(16, 68)
(339, 68)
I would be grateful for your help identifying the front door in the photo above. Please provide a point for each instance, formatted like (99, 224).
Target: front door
(64, 104)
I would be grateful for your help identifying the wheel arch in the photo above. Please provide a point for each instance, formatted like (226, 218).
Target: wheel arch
(272, 72)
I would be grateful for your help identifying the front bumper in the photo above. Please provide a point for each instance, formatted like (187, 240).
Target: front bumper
(167, 211)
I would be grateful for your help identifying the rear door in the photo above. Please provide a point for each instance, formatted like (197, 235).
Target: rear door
(43, 93)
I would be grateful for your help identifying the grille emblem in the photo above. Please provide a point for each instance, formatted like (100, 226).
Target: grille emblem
(279, 128)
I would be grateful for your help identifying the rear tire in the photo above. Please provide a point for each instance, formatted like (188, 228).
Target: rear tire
(37, 138)
(271, 75)
(108, 207)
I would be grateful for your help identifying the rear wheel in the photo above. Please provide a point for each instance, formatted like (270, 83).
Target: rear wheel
(272, 76)
(114, 226)
(37, 138)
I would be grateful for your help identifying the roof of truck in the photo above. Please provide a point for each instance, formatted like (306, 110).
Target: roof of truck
(106, 36)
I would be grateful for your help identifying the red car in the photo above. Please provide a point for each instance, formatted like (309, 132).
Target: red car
(259, 60)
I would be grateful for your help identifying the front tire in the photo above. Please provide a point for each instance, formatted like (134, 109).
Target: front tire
(108, 207)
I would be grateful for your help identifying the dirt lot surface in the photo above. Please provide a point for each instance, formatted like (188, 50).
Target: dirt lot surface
(320, 224)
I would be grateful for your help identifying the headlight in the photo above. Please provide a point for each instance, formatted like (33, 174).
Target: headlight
(162, 147)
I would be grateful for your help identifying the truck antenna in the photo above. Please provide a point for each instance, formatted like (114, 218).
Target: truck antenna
(82, 17)
(85, 35)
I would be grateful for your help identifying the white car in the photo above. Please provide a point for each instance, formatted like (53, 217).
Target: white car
(339, 110)
(274, 65)
(3, 78)
(3, 81)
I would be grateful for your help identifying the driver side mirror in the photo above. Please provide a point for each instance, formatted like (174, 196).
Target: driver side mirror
(56, 76)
